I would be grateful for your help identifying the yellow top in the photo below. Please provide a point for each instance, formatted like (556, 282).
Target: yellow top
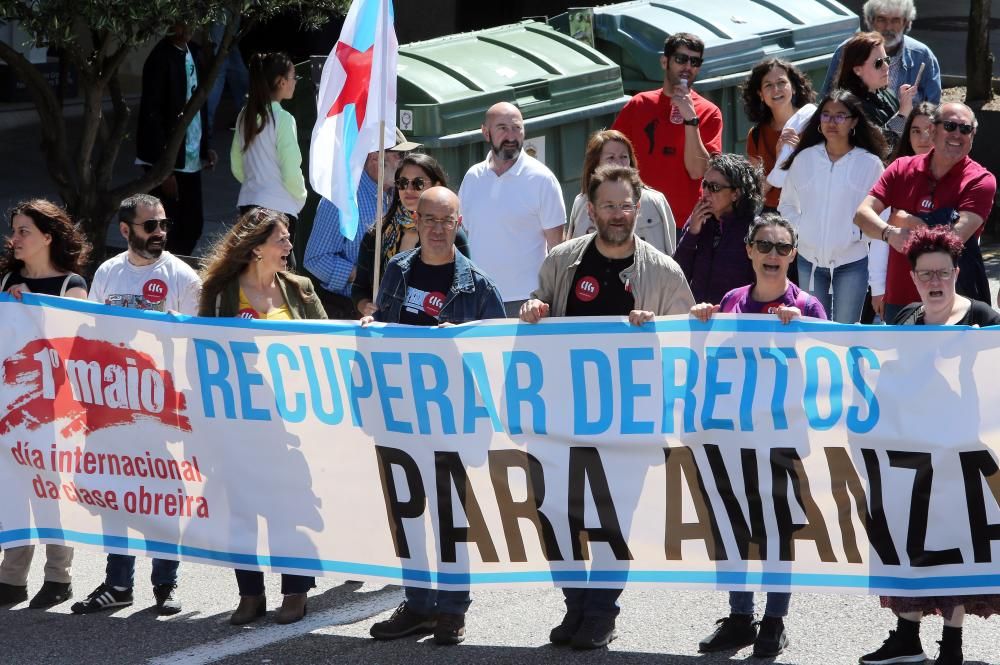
(280, 314)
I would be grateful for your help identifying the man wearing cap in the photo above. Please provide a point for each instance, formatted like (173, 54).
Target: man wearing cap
(674, 129)
(331, 257)
(513, 208)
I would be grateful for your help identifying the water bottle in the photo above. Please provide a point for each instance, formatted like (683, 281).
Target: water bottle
(675, 113)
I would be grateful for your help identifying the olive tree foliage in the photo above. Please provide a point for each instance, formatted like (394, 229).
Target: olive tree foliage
(96, 37)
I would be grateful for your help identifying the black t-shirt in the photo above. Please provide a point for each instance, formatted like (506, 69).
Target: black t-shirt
(427, 289)
(979, 314)
(49, 286)
(598, 289)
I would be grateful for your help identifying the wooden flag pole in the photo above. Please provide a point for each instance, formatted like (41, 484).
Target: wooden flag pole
(380, 193)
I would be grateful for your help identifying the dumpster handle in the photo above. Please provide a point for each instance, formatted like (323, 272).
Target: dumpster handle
(524, 53)
(453, 72)
(716, 30)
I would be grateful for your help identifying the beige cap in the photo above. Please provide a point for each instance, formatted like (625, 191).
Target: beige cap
(402, 145)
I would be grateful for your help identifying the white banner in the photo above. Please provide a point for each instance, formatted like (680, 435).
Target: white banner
(741, 454)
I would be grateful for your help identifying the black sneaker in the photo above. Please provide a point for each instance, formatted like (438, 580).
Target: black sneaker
(403, 622)
(450, 629)
(563, 633)
(771, 639)
(10, 594)
(51, 593)
(895, 649)
(594, 633)
(166, 599)
(734, 632)
(104, 597)
(949, 654)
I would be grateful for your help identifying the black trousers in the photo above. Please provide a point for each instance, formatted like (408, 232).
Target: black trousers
(186, 212)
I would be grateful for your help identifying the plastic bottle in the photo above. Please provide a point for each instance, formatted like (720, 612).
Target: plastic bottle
(675, 113)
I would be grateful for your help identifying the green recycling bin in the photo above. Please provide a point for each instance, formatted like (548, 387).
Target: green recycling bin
(737, 34)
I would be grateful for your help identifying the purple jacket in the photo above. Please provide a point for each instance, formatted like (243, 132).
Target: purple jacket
(715, 261)
(739, 301)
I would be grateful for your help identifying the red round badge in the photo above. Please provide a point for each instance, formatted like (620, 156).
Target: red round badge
(433, 302)
(155, 290)
(248, 313)
(587, 289)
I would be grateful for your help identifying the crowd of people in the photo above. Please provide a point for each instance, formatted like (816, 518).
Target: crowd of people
(866, 193)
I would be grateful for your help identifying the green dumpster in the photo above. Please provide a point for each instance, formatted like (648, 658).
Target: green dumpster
(737, 33)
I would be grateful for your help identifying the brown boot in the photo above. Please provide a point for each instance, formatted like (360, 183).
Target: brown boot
(293, 608)
(250, 609)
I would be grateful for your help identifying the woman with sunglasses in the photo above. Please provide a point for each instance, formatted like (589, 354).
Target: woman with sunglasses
(416, 172)
(246, 276)
(933, 254)
(46, 255)
(655, 224)
(838, 159)
(864, 71)
(711, 250)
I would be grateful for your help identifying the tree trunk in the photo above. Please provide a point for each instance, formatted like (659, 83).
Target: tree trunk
(978, 59)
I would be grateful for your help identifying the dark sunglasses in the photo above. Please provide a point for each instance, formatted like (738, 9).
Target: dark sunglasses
(684, 58)
(149, 226)
(765, 247)
(879, 62)
(950, 126)
(419, 183)
(714, 187)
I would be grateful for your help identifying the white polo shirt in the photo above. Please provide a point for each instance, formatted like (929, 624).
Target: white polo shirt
(506, 217)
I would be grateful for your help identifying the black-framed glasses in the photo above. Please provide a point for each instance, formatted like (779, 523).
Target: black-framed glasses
(878, 63)
(149, 226)
(835, 118)
(418, 184)
(714, 187)
(684, 58)
(765, 247)
(950, 126)
(928, 275)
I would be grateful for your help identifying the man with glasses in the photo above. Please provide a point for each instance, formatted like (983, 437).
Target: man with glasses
(145, 276)
(433, 284)
(674, 129)
(944, 186)
(893, 19)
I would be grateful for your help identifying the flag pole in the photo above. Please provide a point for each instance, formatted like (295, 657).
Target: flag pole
(383, 83)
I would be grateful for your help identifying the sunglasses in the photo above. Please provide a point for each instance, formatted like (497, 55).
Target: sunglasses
(950, 126)
(684, 58)
(149, 226)
(714, 187)
(879, 62)
(419, 183)
(765, 247)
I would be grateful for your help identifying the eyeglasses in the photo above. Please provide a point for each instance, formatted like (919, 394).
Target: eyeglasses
(684, 58)
(611, 208)
(765, 247)
(928, 275)
(149, 226)
(835, 118)
(714, 187)
(447, 224)
(879, 62)
(418, 184)
(950, 126)
(293, 77)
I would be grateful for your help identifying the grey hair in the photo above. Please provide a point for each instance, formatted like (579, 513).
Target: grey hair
(939, 111)
(745, 177)
(129, 208)
(904, 7)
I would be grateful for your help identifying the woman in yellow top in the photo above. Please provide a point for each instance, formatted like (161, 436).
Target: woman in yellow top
(246, 275)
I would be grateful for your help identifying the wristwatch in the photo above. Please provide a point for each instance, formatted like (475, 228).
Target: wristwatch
(693, 122)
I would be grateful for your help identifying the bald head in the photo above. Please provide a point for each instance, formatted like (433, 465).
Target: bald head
(503, 129)
(437, 223)
(955, 107)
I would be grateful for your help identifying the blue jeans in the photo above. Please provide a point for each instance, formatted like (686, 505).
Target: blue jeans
(741, 602)
(121, 569)
(251, 583)
(592, 602)
(432, 601)
(844, 302)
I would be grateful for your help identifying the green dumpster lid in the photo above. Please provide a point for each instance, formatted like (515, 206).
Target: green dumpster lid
(445, 85)
(737, 33)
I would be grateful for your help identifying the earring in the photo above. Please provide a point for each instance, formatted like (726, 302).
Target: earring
(258, 257)
(852, 130)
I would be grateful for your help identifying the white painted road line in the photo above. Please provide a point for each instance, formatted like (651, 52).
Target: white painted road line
(250, 640)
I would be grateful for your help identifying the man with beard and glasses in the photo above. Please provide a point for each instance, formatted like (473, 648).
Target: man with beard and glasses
(145, 276)
(513, 206)
(893, 19)
(612, 272)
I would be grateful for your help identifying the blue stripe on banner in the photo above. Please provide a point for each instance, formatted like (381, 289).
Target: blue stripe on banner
(346, 176)
(683, 577)
(366, 24)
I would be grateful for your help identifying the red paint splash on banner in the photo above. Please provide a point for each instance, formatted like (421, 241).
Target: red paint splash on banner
(92, 383)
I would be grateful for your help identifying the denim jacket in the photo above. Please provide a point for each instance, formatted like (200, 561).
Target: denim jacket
(915, 53)
(473, 296)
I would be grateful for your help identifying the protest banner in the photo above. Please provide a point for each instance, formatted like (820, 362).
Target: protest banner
(739, 454)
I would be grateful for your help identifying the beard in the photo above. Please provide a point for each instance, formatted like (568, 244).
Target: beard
(506, 151)
(148, 248)
(615, 236)
(892, 39)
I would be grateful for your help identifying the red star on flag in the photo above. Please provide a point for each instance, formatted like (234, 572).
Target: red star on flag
(358, 66)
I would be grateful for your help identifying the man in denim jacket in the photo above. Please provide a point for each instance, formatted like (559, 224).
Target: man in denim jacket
(433, 284)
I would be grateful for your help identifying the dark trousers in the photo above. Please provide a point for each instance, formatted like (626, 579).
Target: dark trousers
(121, 568)
(251, 583)
(337, 306)
(592, 602)
(186, 212)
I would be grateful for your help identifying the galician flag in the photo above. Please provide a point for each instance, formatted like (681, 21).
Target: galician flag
(358, 90)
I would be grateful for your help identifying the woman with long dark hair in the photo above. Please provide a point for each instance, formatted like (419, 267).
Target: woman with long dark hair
(838, 159)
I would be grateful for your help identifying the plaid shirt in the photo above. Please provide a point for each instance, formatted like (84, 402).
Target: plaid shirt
(329, 255)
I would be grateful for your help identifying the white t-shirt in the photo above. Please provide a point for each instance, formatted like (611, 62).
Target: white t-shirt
(166, 284)
(506, 217)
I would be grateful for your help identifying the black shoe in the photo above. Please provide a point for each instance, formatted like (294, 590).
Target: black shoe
(104, 597)
(450, 629)
(51, 593)
(166, 599)
(594, 632)
(563, 633)
(771, 639)
(734, 632)
(403, 622)
(949, 654)
(10, 594)
(896, 649)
